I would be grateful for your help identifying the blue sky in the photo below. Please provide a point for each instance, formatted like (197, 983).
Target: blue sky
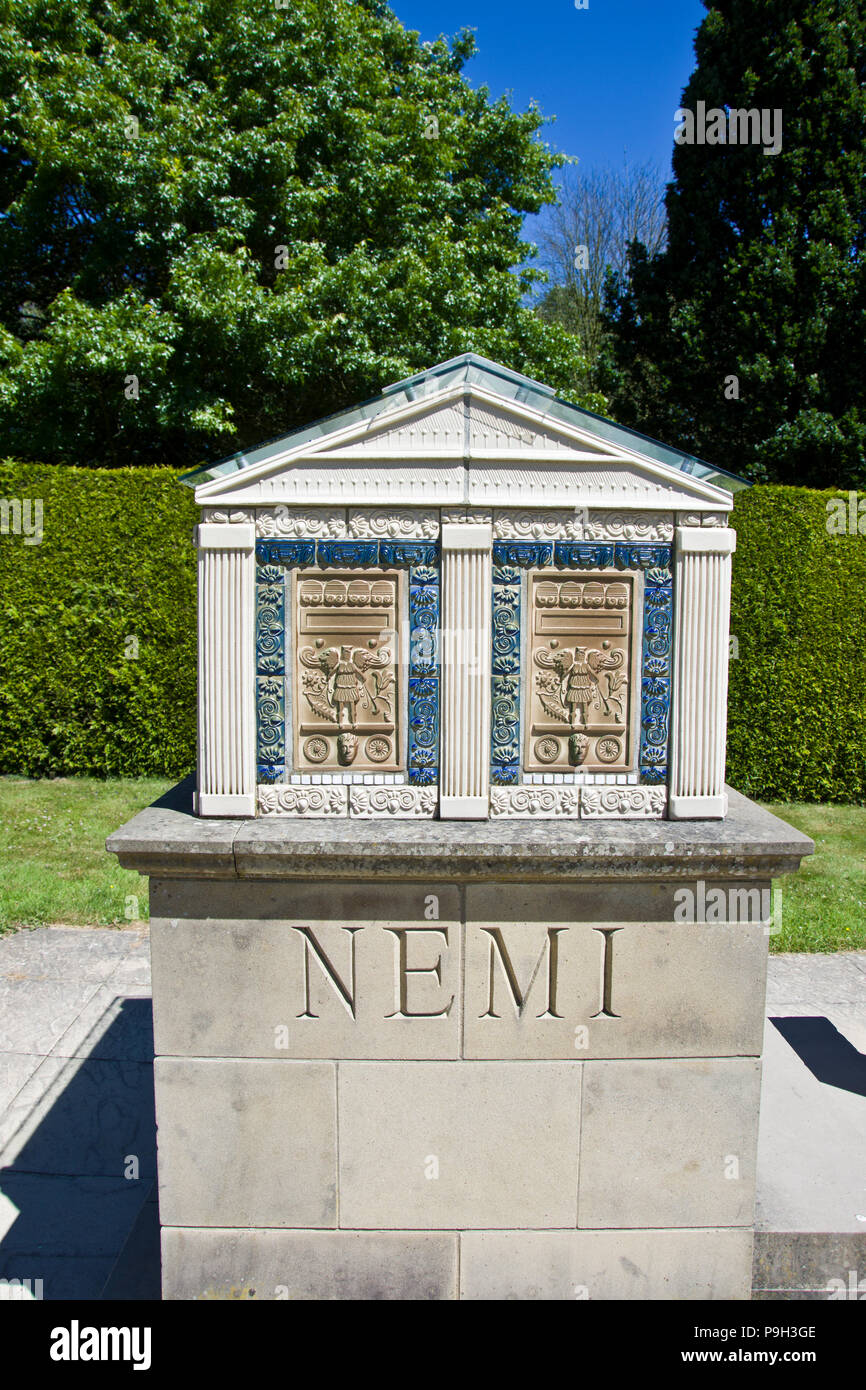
(612, 74)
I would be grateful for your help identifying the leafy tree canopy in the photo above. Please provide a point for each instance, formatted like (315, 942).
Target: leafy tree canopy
(261, 213)
(743, 341)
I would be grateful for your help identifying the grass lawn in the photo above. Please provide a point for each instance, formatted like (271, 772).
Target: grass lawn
(53, 863)
(824, 904)
(54, 868)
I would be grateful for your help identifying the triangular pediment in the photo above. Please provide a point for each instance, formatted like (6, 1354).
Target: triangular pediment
(461, 440)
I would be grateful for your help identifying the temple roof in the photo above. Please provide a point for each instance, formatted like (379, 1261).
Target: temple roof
(470, 370)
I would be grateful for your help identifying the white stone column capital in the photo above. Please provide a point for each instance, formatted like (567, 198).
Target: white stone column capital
(213, 536)
(706, 540)
(475, 535)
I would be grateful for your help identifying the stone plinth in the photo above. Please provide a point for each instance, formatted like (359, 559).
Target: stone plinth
(427, 1059)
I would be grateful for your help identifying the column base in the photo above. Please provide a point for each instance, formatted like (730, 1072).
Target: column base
(698, 807)
(464, 807)
(214, 804)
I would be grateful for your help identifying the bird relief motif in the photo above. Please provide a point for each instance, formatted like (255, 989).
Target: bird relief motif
(341, 683)
(575, 683)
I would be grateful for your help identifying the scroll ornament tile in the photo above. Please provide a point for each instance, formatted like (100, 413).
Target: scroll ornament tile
(228, 516)
(393, 801)
(629, 526)
(538, 525)
(306, 523)
(540, 803)
(394, 524)
(303, 801)
(627, 803)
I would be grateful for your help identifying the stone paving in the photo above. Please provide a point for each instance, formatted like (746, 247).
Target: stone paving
(77, 1135)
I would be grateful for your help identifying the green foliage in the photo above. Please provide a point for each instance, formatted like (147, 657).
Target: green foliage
(764, 274)
(797, 702)
(261, 213)
(115, 563)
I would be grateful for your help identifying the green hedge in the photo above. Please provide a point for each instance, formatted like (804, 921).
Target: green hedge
(116, 563)
(797, 704)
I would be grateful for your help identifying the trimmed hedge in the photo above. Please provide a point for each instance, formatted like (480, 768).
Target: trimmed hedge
(116, 563)
(797, 704)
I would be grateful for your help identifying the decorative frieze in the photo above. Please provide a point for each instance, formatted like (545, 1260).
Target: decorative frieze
(538, 803)
(394, 523)
(581, 523)
(629, 526)
(538, 525)
(303, 801)
(627, 803)
(387, 802)
(300, 523)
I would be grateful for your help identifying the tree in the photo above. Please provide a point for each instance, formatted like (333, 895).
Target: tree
(586, 236)
(222, 220)
(742, 341)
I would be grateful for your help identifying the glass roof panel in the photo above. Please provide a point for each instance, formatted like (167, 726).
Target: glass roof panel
(502, 381)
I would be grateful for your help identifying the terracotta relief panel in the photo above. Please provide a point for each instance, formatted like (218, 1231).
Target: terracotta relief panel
(581, 671)
(347, 677)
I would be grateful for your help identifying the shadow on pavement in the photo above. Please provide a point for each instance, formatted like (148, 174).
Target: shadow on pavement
(828, 1054)
(78, 1204)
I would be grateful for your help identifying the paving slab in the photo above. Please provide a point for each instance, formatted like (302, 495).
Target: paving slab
(62, 953)
(35, 1013)
(812, 1133)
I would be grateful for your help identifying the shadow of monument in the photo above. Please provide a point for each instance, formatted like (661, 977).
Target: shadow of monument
(828, 1054)
(78, 1190)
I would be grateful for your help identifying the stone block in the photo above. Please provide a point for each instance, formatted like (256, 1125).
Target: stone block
(306, 970)
(246, 1143)
(433, 1145)
(542, 981)
(603, 1265)
(669, 1143)
(309, 1265)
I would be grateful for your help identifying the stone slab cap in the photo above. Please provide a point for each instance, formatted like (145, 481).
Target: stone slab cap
(168, 841)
